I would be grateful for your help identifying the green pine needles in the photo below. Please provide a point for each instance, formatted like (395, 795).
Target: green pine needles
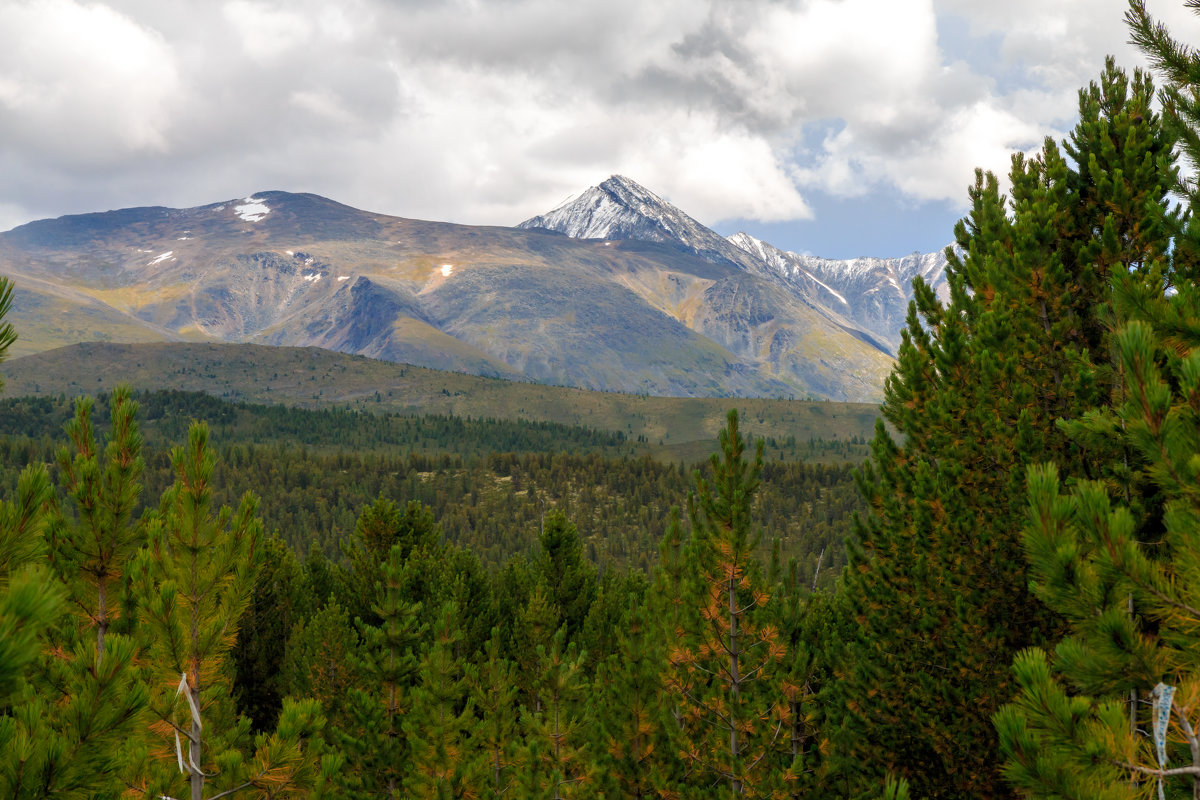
(938, 583)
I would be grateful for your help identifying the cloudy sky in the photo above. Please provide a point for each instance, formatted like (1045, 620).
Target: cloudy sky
(836, 127)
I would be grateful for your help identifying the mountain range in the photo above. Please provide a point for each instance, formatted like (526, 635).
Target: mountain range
(616, 290)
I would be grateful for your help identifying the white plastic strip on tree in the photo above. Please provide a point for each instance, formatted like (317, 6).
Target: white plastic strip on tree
(186, 691)
(1163, 695)
(183, 687)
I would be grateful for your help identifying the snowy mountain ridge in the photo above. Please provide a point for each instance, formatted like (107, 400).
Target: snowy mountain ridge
(871, 294)
(874, 292)
(298, 270)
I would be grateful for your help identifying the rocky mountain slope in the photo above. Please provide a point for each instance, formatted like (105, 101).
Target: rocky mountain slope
(688, 314)
(873, 292)
(870, 294)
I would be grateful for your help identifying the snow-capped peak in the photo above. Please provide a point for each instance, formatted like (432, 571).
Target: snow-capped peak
(620, 208)
(752, 245)
(869, 293)
(614, 209)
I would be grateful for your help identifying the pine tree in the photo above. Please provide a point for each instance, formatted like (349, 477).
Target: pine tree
(1126, 574)
(533, 632)
(937, 583)
(8, 334)
(555, 761)
(278, 601)
(725, 664)
(1119, 556)
(91, 548)
(633, 725)
(30, 602)
(81, 702)
(440, 718)
(1179, 66)
(569, 581)
(66, 706)
(195, 578)
(493, 739)
(381, 527)
(318, 661)
(805, 620)
(374, 740)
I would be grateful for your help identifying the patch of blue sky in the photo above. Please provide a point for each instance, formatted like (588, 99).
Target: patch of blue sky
(880, 223)
(983, 53)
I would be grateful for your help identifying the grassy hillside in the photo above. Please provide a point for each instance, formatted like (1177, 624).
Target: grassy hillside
(668, 428)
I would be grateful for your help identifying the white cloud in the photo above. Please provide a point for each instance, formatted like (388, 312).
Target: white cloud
(12, 215)
(84, 84)
(490, 111)
(267, 31)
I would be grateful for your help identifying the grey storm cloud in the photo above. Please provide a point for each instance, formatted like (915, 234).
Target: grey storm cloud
(489, 111)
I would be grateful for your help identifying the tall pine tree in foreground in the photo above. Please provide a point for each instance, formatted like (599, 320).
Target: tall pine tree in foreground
(195, 578)
(30, 600)
(92, 543)
(88, 695)
(725, 664)
(82, 700)
(937, 584)
(1114, 712)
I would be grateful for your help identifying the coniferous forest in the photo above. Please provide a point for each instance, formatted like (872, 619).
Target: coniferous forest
(1002, 601)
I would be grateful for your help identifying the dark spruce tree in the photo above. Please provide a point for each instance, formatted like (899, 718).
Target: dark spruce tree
(938, 587)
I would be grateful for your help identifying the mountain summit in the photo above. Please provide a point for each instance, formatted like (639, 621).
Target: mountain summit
(620, 208)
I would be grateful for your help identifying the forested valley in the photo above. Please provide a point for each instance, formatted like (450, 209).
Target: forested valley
(488, 483)
(469, 612)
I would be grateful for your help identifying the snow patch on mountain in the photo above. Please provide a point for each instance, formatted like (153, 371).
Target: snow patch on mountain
(252, 209)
